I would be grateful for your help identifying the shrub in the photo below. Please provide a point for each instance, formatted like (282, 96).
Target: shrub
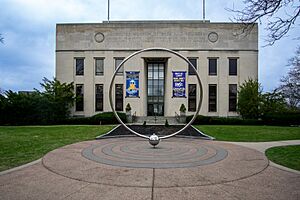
(283, 118)
(182, 108)
(101, 118)
(107, 118)
(207, 120)
(77, 121)
(274, 119)
(128, 107)
(167, 123)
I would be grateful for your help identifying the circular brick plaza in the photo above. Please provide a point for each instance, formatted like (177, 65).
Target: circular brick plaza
(166, 155)
(177, 162)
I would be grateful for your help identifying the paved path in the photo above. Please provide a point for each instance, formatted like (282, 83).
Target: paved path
(263, 146)
(128, 168)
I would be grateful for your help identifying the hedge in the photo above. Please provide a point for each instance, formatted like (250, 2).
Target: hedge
(206, 120)
(101, 118)
(274, 119)
(286, 118)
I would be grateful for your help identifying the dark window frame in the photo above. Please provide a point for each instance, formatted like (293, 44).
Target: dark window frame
(232, 67)
(212, 69)
(155, 88)
(99, 97)
(79, 103)
(115, 65)
(190, 69)
(232, 98)
(212, 99)
(79, 72)
(119, 97)
(192, 98)
(99, 73)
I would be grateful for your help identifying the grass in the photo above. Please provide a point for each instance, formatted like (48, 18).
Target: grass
(250, 133)
(23, 144)
(288, 156)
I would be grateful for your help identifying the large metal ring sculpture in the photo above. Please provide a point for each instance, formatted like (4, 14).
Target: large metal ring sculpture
(154, 139)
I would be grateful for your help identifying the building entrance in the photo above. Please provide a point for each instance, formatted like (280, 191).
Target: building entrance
(156, 88)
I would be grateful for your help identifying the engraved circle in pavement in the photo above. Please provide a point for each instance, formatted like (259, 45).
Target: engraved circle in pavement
(161, 153)
(149, 158)
(99, 37)
(141, 155)
(148, 151)
(213, 36)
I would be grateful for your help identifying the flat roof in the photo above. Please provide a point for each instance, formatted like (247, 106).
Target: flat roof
(150, 22)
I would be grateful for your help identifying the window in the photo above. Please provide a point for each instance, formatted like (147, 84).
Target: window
(194, 62)
(79, 97)
(212, 66)
(212, 98)
(232, 97)
(99, 97)
(155, 86)
(79, 66)
(192, 98)
(119, 97)
(99, 66)
(117, 62)
(232, 66)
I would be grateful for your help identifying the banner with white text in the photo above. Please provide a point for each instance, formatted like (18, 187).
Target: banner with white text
(179, 84)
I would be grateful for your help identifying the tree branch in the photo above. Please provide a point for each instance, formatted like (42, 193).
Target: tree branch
(277, 26)
(1, 39)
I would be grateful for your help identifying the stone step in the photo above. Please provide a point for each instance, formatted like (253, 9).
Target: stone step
(156, 120)
(160, 130)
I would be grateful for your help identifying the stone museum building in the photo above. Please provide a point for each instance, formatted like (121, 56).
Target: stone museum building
(156, 83)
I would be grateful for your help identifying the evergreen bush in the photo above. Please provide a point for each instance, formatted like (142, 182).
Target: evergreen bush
(167, 123)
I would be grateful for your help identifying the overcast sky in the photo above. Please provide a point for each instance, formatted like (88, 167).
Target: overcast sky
(28, 28)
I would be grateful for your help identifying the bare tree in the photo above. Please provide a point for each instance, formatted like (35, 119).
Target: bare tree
(290, 84)
(281, 16)
(1, 39)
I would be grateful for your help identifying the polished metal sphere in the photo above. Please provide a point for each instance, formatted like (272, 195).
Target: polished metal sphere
(154, 140)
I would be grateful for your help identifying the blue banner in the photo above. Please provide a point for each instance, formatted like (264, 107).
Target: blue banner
(132, 84)
(179, 84)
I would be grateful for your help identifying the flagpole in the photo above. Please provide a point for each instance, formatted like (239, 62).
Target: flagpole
(108, 11)
(203, 5)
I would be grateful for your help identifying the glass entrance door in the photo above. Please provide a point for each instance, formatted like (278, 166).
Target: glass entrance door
(156, 87)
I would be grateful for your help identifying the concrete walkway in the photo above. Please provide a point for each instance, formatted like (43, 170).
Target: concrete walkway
(127, 168)
(263, 146)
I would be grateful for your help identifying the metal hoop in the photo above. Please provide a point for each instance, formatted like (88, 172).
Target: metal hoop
(155, 49)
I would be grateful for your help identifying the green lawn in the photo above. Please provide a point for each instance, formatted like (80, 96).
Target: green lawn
(250, 133)
(19, 145)
(22, 144)
(288, 156)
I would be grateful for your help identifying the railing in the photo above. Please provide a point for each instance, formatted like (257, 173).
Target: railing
(177, 117)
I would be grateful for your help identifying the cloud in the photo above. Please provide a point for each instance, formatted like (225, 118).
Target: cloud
(273, 61)
(41, 11)
(28, 27)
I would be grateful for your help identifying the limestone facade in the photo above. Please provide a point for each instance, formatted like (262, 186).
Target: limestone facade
(200, 40)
